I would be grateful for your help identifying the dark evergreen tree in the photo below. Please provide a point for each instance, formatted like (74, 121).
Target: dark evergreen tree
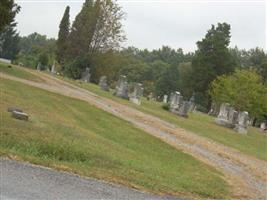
(63, 34)
(8, 11)
(9, 43)
(212, 59)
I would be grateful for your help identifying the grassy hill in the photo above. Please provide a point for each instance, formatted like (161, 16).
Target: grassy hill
(71, 135)
(254, 143)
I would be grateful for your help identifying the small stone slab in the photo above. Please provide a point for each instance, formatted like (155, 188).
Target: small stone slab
(11, 109)
(20, 115)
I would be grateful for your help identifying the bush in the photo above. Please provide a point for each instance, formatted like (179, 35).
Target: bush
(75, 68)
(166, 106)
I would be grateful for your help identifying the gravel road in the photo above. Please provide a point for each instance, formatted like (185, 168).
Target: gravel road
(246, 175)
(20, 180)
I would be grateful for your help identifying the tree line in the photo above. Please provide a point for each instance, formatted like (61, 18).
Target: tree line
(94, 40)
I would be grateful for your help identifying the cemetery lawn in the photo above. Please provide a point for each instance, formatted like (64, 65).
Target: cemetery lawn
(69, 134)
(18, 72)
(254, 143)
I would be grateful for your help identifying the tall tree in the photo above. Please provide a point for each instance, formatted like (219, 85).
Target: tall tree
(8, 11)
(97, 28)
(212, 59)
(63, 34)
(9, 43)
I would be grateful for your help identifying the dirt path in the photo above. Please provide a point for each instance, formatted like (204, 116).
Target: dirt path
(246, 174)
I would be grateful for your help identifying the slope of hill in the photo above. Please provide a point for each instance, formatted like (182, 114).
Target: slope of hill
(70, 134)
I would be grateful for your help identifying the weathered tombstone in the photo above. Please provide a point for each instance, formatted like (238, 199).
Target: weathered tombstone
(165, 98)
(176, 101)
(20, 115)
(232, 117)
(192, 103)
(222, 118)
(184, 109)
(263, 127)
(103, 83)
(214, 110)
(86, 75)
(121, 89)
(11, 109)
(39, 66)
(242, 122)
(53, 68)
(137, 93)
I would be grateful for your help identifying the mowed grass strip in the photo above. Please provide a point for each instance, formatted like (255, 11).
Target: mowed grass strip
(254, 143)
(70, 134)
(19, 72)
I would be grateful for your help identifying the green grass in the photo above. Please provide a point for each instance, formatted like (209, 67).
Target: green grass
(254, 143)
(70, 134)
(18, 72)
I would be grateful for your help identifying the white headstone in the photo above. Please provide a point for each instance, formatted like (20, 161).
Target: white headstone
(165, 98)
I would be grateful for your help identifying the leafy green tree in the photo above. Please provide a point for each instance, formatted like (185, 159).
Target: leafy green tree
(262, 70)
(168, 82)
(63, 34)
(43, 59)
(212, 59)
(185, 79)
(8, 11)
(32, 46)
(243, 89)
(9, 43)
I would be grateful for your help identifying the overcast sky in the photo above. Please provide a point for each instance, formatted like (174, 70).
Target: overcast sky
(151, 24)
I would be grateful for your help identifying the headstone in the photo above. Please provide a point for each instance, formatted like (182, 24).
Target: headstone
(192, 103)
(184, 109)
(11, 109)
(214, 110)
(53, 68)
(242, 122)
(165, 98)
(5, 60)
(137, 93)
(121, 89)
(263, 127)
(39, 66)
(86, 75)
(176, 101)
(20, 115)
(103, 83)
(222, 118)
(232, 117)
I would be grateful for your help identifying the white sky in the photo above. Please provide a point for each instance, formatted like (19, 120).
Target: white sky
(153, 23)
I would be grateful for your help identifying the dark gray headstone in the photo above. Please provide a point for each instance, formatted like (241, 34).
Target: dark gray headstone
(103, 83)
(121, 89)
(86, 75)
(184, 109)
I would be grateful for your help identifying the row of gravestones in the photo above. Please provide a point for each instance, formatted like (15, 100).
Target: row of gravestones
(132, 92)
(178, 105)
(231, 118)
(40, 67)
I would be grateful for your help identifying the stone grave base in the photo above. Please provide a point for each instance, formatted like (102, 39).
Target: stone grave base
(225, 123)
